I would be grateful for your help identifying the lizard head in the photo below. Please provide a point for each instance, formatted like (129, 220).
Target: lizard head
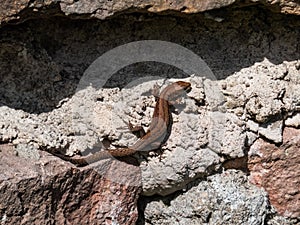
(175, 90)
(182, 85)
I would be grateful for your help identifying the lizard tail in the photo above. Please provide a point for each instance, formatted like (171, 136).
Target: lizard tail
(104, 154)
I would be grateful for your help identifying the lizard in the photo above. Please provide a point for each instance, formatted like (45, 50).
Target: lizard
(156, 135)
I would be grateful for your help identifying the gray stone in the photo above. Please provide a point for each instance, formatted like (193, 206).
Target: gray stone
(226, 134)
(272, 131)
(293, 121)
(226, 198)
(213, 95)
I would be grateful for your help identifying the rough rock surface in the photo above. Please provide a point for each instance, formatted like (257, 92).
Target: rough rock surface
(226, 198)
(50, 191)
(16, 10)
(265, 99)
(276, 169)
(253, 52)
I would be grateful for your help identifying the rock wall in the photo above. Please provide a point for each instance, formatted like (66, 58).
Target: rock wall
(231, 157)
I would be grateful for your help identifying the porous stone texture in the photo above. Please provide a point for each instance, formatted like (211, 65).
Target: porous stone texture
(264, 100)
(226, 198)
(252, 53)
(276, 169)
(50, 191)
(19, 10)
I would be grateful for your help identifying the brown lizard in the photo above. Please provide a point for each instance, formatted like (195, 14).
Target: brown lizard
(156, 135)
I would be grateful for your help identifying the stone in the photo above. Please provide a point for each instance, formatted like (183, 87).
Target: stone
(262, 97)
(11, 10)
(51, 191)
(293, 121)
(45, 48)
(213, 96)
(226, 198)
(276, 169)
(272, 130)
(226, 134)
